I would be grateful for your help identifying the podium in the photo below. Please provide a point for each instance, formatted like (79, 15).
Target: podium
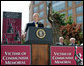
(40, 39)
(33, 36)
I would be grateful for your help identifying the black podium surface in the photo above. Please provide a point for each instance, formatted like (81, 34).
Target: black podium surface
(33, 38)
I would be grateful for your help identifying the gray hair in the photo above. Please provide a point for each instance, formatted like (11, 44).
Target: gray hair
(35, 14)
(72, 39)
(61, 38)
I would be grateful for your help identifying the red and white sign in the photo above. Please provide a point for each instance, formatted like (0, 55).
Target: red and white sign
(15, 55)
(64, 55)
(11, 33)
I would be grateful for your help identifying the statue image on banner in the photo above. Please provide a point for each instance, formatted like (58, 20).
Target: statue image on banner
(10, 28)
(77, 58)
(5, 40)
(17, 37)
(53, 19)
(4, 37)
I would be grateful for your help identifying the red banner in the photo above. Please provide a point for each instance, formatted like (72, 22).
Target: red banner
(15, 55)
(66, 55)
(11, 28)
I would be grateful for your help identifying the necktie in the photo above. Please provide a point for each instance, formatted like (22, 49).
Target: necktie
(36, 25)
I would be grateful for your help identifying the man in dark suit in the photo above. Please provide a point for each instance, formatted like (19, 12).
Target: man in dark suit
(61, 42)
(35, 23)
(72, 40)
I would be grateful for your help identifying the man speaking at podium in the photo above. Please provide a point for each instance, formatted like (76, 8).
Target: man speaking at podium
(35, 23)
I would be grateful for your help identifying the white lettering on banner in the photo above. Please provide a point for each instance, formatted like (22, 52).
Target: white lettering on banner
(23, 53)
(20, 56)
(62, 53)
(16, 53)
(7, 53)
(15, 62)
(54, 58)
(61, 62)
(59, 56)
(15, 58)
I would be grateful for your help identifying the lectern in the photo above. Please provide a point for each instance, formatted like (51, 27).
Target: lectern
(40, 39)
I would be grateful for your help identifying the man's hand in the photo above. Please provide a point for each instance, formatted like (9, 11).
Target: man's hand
(23, 36)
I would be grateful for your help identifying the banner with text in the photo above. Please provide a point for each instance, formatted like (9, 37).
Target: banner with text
(66, 55)
(15, 55)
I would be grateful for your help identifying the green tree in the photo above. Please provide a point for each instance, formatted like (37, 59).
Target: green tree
(68, 28)
(69, 20)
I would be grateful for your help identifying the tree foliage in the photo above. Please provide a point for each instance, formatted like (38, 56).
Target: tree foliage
(72, 30)
(69, 28)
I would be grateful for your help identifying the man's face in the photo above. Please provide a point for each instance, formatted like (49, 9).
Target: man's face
(36, 17)
(61, 40)
(73, 41)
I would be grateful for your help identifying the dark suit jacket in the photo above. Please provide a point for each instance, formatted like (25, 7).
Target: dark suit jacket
(73, 44)
(33, 25)
(59, 44)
